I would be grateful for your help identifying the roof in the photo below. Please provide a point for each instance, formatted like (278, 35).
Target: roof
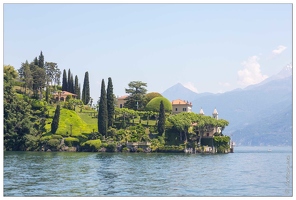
(64, 93)
(181, 102)
(123, 97)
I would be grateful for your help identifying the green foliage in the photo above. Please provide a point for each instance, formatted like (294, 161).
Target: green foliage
(110, 103)
(53, 144)
(55, 120)
(86, 89)
(71, 141)
(65, 82)
(136, 98)
(92, 145)
(161, 119)
(57, 137)
(103, 113)
(153, 105)
(221, 143)
(125, 149)
(140, 150)
(41, 60)
(150, 96)
(37, 104)
(111, 147)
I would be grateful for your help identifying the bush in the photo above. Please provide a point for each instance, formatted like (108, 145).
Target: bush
(154, 104)
(53, 144)
(57, 137)
(140, 150)
(37, 104)
(125, 149)
(71, 141)
(92, 145)
(111, 147)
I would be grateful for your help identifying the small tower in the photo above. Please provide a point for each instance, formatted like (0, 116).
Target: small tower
(215, 114)
(201, 112)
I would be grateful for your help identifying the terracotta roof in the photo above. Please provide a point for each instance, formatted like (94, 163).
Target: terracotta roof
(64, 93)
(123, 97)
(182, 102)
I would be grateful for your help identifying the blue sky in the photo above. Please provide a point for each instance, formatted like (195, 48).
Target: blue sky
(206, 47)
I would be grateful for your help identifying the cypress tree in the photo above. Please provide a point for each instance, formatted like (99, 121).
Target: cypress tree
(69, 81)
(103, 113)
(71, 84)
(55, 120)
(161, 119)
(85, 90)
(64, 83)
(36, 62)
(41, 60)
(110, 102)
(76, 86)
(78, 92)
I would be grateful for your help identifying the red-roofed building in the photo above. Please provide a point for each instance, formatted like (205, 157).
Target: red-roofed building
(181, 106)
(121, 101)
(62, 95)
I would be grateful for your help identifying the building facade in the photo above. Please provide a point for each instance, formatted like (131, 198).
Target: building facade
(179, 106)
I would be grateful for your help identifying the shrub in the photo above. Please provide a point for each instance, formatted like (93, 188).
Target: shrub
(53, 144)
(57, 137)
(92, 145)
(71, 141)
(111, 147)
(37, 104)
(140, 150)
(154, 104)
(125, 149)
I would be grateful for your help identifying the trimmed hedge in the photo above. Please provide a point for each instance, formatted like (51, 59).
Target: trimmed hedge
(154, 104)
(92, 145)
(71, 141)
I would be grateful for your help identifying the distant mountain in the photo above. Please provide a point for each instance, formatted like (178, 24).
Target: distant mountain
(260, 114)
(178, 91)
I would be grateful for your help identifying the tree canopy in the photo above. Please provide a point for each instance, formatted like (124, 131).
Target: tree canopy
(136, 98)
(153, 105)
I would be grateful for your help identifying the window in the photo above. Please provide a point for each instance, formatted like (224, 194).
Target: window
(208, 134)
(176, 109)
(184, 109)
(120, 105)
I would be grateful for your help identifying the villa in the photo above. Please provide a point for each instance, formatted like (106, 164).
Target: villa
(62, 95)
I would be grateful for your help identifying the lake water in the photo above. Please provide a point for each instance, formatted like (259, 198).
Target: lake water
(249, 171)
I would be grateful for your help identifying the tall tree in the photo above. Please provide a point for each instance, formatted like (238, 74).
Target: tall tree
(36, 62)
(136, 98)
(65, 82)
(16, 114)
(41, 60)
(79, 92)
(76, 86)
(55, 120)
(72, 84)
(26, 76)
(39, 80)
(69, 84)
(103, 113)
(110, 103)
(86, 90)
(161, 119)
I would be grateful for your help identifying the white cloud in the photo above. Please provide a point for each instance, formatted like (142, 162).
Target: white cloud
(279, 50)
(225, 84)
(190, 86)
(251, 74)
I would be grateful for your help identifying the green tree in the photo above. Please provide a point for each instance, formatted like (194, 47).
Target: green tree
(65, 82)
(76, 87)
(136, 98)
(41, 60)
(110, 103)
(39, 80)
(86, 90)
(26, 76)
(78, 92)
(161, 119)
(150, 96)
(16, 114)
(36, 62)
(103, 113)
(69, 84)
(55, 120)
